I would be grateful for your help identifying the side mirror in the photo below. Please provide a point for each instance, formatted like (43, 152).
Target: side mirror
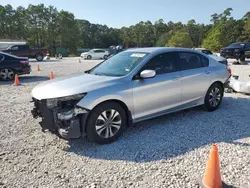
(147, 74)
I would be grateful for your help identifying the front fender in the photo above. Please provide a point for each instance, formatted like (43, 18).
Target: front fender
(121, 93)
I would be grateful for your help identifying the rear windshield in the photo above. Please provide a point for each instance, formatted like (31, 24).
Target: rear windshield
(237, 45)
(208, 52)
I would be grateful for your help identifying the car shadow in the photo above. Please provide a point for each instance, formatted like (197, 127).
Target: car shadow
(167, 136)
(25, 79)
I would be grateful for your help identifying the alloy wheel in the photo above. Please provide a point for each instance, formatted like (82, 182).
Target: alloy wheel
(6, 74)
(214, 97)
(108, 123)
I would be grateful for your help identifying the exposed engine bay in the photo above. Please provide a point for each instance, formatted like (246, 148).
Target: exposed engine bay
(61, 115)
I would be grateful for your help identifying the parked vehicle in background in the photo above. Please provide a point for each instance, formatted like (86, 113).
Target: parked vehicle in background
(132, 86)
(211, 54)
(61, 52)
(113, 50)
(26, 51)
(94, 54)
(11, 65)
(238, 50)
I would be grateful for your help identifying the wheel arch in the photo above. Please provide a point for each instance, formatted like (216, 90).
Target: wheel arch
(122, 104)
(220, 83)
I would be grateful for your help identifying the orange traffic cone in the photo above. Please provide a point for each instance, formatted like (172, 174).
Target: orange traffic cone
(16, 82)
(51, 75)
(212, 177)
(38, 68)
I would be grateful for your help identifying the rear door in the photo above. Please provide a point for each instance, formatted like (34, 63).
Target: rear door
(196, 77)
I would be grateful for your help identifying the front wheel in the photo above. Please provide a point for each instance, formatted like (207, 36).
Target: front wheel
(106, 123)
(213, 97)
(89, 57)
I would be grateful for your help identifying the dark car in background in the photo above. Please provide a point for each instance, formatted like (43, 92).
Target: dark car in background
(237, 50)
(11, 65)
(26, 51)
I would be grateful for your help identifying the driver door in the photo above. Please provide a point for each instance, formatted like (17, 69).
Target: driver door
(160, 94)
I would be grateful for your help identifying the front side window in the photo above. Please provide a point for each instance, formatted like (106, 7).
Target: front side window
(120, 64)
(189, 60)
(205, 61)
(162, 63)
(14, 48)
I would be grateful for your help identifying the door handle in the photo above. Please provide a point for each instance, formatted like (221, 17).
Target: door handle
(207, 72)
(176, 78)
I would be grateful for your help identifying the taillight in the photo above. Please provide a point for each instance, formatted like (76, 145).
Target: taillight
(24, 62)
(229, 70)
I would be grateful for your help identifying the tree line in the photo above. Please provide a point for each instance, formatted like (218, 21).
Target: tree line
(43, 26)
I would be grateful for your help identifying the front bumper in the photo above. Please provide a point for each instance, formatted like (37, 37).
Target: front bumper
(67, 124)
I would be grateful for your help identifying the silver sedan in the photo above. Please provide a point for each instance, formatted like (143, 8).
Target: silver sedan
(134, 85)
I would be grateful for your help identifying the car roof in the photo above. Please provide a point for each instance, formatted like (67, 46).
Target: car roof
(159, 49)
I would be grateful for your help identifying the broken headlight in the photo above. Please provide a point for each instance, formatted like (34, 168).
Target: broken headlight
(51, 103)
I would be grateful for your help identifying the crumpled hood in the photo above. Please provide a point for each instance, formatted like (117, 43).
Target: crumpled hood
(70, 85)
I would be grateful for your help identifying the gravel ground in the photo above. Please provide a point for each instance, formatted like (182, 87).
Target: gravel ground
(169, 151)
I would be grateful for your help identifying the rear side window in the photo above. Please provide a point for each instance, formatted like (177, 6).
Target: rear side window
(205, 61)
(189, 60)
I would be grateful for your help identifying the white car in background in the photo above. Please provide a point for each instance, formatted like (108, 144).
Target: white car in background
(214, 56)
(94, 54)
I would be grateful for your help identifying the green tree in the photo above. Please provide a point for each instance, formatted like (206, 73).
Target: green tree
(214, 39)
(180, 39)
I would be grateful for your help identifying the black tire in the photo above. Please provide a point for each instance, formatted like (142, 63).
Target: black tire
(39, 57)
(105, 57)
(208, 98)
(89, 57)
(91, 124)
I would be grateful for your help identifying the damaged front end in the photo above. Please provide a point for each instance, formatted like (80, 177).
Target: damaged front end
(61, 115)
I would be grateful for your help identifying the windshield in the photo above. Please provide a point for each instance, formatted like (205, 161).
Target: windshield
(120, 65)
(236, 45)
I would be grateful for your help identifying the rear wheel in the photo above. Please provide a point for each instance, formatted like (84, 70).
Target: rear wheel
(39, 57)
(106, 123)
(7, 74)
(213, 97)
(105, 57)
